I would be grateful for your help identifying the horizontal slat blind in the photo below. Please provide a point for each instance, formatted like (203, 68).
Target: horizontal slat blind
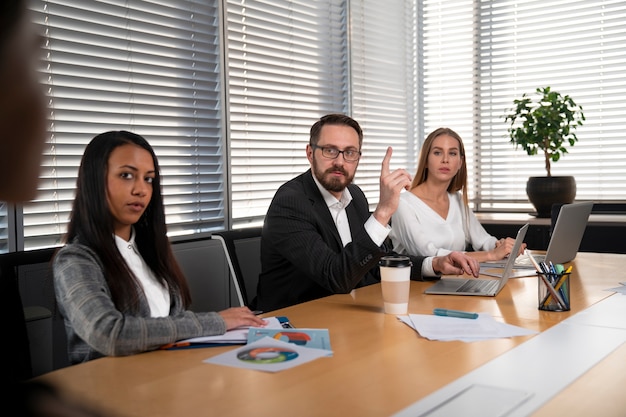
(449, 74)
(401, 69)
(577, 48)
(384, 86)
(4, 227)
(287, 66)
(151, 67)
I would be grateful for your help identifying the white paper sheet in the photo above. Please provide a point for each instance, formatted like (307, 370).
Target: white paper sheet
(467, 330)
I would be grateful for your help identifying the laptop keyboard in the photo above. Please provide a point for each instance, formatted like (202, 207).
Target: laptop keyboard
(477, 285)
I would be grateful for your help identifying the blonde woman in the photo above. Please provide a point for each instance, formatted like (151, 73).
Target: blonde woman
(433, 218)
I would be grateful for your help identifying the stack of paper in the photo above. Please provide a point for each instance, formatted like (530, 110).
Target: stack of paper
(467, 330)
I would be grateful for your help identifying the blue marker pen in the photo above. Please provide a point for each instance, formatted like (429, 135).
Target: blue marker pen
(454, 313)
(552, 267)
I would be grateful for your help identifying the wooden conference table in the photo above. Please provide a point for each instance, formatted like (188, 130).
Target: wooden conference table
(379, 366)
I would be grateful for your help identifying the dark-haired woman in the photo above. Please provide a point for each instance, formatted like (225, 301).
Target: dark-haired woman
(117, 283)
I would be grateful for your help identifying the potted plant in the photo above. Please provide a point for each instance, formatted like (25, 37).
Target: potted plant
(547, 125)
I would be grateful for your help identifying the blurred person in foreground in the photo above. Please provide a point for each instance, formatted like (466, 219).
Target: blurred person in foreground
(23, 124)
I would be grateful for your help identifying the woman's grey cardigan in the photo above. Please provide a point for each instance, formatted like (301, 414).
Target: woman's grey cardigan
(96, 328)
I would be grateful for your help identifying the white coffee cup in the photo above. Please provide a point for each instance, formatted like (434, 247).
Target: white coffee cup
(395, 278)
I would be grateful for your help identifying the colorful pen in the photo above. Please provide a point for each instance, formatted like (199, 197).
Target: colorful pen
(454, 313)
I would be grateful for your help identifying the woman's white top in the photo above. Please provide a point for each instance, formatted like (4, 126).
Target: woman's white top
(416, 229)
(157, 294)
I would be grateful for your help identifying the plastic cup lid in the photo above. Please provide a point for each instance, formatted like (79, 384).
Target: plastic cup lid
(397, 261)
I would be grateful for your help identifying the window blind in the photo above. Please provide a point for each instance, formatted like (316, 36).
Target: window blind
(401, 69)
(5, 228)
(384, 87)
(480, 56)
(449, 76)
(152, 67)
(287, 66)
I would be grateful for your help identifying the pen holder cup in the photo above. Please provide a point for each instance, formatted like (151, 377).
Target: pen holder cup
(553, 292)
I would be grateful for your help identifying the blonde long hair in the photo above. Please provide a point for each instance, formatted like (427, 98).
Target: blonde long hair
(459, 181)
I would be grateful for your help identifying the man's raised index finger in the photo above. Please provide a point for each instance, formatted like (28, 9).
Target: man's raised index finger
(386, 159)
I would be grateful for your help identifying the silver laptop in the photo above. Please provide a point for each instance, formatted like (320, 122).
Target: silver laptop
(477, 286)
(565, 240)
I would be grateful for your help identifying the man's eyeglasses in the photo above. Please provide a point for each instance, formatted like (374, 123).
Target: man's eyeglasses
(350, 155)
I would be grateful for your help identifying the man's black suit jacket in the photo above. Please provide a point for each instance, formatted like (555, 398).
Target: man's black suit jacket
(302, 257)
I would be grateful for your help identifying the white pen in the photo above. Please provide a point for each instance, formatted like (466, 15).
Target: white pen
(533, 261)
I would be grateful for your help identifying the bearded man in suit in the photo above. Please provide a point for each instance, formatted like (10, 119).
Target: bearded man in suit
(319, 237)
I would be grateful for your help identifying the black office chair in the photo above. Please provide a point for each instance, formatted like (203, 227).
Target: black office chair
(243, 253)
(21, 346)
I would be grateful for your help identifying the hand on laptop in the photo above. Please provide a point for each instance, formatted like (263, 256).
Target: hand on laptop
(456, 263)
(504, 247)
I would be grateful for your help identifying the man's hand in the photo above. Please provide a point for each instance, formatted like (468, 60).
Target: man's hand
(391, 184)
(456, 263)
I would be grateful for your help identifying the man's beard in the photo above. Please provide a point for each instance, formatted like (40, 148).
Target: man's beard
(331, 182)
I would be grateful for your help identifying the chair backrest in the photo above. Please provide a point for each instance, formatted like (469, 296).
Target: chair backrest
(243, 254)
(30, 354)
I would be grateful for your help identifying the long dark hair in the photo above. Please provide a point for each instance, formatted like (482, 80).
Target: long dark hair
(92, 224)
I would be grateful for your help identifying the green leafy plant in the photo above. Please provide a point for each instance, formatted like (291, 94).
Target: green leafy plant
(546, 124)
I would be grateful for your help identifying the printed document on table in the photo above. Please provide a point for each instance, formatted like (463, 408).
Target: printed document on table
(269, 355)
(468, 330)
(311, 338)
